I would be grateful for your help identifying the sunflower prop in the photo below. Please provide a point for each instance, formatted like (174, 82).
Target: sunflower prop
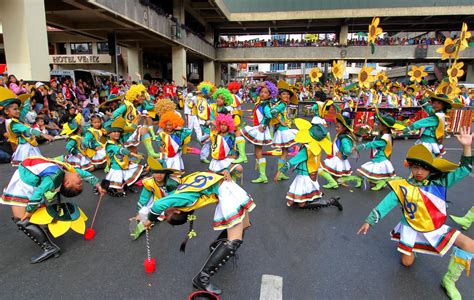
(447, 88)
(315, 74)
(448, 50)
(455, 72)
(60, 218)
(338, 69)
(374, 31)
(464, 37)
(417, 73)
(365, 77)
(381, 76)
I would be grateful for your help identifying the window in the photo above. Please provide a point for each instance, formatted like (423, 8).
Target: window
(81, 48)
(253, 68)
(102, 48)
(294, 66)
(277, 67)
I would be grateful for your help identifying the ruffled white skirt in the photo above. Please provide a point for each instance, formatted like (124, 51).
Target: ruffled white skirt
(303, 189)
(23, 151)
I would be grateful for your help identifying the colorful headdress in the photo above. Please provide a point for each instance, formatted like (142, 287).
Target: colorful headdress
(164, 105)
(443, 98)
(226, 95)
(8, 97)
(111, 98)
(345, 121)
(315, 135)
(233, 85)
(225, 119)
(420, 155)
(70, 127)
(388, 120)
(158, 166)
(117, 125)
(135, 91)
(172, 117)
(283, 86)
(270, 86)
(206, 88)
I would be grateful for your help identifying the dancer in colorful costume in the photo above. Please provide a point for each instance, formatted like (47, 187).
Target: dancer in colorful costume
(77, 154)
(162, 182)
(284, 137)
(380, 169)
(34, 177)
(321, 108)
(134, 98)
(423, 200)
(94, 141)
(232, 215)
(206, 90)
(222, 148)
(260, 134)
(172, 139)
(20, 135)
(432, 127)
(304, 190)
(337, 163)
(122, 172)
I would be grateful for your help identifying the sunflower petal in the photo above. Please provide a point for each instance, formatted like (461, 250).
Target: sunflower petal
(41, 217)
(78, 226)
(83, 215)
(59, 228)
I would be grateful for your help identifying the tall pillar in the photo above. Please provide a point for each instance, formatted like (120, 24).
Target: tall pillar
(25, 38)
(134, 63)
(178, 62)
(217, 71)
(343, 34)
(178, 10)
(209, 71)
(470, 72)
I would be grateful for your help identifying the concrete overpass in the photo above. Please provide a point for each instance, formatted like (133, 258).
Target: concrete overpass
(318, 54)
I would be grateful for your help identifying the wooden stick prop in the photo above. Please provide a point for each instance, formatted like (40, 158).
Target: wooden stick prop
(150, 262)
(90, 232)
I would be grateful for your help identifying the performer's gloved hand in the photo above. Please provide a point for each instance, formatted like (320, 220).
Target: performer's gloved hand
(360, 147)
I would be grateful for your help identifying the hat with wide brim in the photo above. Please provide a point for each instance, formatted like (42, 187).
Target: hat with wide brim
(283, 86)
(118, 125)
(414, 87)
(8, 97)
(110, 99)
(420, 155)
(345, 121)
(159, 166)
(315, 135)
(443, 98)
(388, 120)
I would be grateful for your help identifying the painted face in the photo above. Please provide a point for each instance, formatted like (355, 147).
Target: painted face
(13, 111)
(264, 93)
(96, 123)
(159, 177)
(169, 127)
(437, 105)
(224, 128)
(285, 96)
(419, 173)
(220, 101)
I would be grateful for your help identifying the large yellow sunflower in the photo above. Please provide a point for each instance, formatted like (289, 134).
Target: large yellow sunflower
(338, 69)
(315, 74)
(365, 77)
(60, 218)
(455, 71)
(417, 73)
(374, 30)
(450, 89)
(381, 76)
(464, 37)
(448, 50)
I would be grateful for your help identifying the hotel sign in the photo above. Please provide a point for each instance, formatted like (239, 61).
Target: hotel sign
(80, 59)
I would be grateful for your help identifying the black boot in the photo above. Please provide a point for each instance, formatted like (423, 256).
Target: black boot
(41, 238)
(321, 203)
(222, 237)
(219, 257)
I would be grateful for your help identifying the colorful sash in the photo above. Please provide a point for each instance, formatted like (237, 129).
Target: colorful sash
(13, 137)
(221, 146)
(150, 184)
(424, 207)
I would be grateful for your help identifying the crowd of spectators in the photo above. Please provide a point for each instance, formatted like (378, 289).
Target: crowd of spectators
(359, 41)
(52, 103)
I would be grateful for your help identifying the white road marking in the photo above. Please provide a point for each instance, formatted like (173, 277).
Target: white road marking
(271, 288)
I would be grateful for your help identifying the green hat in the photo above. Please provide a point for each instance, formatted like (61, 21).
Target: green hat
(346, 121)
(314, 135)
(388, 120)
(111, 98)
(117, 125)
(420, 155)
(159, 166)
(443, 98)
(8, 97)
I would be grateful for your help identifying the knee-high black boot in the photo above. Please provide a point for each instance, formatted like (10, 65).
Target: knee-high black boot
(321, 203)
(218, 258)
(41, 238)
(222, 237)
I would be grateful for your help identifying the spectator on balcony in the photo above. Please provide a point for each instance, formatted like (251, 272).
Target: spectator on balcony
(16, 86)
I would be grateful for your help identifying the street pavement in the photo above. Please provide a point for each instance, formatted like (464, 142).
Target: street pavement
(317, 254)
